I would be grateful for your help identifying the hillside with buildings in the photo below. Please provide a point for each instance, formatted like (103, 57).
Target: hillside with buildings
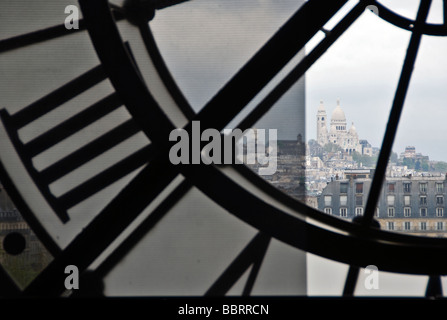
(334, 173)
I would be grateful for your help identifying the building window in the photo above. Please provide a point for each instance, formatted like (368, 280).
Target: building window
(390, 211)
(407, 187)
(358, 211)
(359, 188)
(439, 200)
(328, 210)
(390, 200)
(359, 201)
(343, 200)
(391, 187)
(407, 211)
(343, 212)
(343, 187)
(328, 201)
(423, 212)
(423, 187)
(407, 200)
(407, 225)
(390, 225)
(423, 226)
(439, 225)
(423, 200)
(439, 212)
(439, 187)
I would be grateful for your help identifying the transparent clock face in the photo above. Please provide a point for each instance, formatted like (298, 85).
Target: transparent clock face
(87, 113)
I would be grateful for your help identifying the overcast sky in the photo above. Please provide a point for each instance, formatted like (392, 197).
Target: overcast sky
(205, 43)
(363, 68)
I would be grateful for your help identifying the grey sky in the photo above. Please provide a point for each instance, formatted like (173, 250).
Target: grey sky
(362, 68)
(205, 44)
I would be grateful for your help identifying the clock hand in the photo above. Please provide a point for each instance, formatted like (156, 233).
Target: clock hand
(109, 223)
(266, 63)
(45, 35)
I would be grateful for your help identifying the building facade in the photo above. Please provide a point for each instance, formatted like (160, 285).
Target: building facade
(338, 132)
(410, 204)
(410, 153)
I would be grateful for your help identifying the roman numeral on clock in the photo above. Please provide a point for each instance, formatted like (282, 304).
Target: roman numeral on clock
(58, 133)
(46, 34)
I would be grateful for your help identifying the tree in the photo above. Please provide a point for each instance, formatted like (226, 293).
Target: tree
(393, 157)
(408, 162)
(417, 165)
(315, 149)
(313, 143)
(440, 166)
(332, 147)
(365, 160)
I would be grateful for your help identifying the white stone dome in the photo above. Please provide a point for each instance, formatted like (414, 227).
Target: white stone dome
(353, 130)
(338, 115)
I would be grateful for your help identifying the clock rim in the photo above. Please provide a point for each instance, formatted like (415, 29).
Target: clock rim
(344, 226)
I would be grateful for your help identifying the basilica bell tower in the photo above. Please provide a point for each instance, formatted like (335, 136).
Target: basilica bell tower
(322, 134)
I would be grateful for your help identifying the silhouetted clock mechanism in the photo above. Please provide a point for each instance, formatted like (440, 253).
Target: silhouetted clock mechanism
(84, 156)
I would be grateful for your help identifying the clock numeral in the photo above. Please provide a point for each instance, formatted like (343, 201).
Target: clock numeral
(88, 152)
(72, 125)
(57, 97)
(105, 178)
(46, 34)
(72, 161)
(38, 36)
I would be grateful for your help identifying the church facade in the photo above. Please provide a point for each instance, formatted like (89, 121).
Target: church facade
(338, 132)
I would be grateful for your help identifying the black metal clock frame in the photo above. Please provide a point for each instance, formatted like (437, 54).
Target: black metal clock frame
(362, 244)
